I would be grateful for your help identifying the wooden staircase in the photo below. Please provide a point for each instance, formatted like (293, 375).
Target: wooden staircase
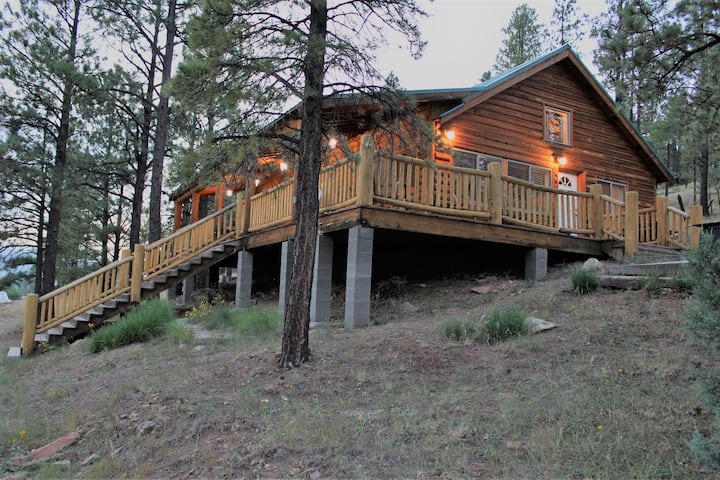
(72, 310)
(110, 309)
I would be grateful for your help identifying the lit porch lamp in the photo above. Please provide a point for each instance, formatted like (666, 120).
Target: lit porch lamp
(559, 159)
(450, 134)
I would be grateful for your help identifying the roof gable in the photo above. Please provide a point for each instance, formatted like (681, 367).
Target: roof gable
(512, 77)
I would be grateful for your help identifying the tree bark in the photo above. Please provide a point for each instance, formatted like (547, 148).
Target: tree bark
(704, 169)
(161, 128)
(144, 150)
(295, 346)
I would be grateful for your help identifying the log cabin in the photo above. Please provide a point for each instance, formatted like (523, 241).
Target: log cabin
(536, 160)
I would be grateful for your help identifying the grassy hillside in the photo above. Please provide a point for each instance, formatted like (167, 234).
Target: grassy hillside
(610, 393)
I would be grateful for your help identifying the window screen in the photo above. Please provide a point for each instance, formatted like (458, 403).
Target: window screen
(529, 173)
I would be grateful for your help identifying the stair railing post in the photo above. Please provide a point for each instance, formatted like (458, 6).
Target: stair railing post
(364, 178)
(661, 207)
(28, 339)
(632, 218)
(596, 210)
(239, 214)
(136, 278)
(496, 192)
(124, 274)
(696, 221)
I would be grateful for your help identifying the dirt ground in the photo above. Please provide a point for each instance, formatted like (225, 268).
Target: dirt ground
(610, 393)
(11, 321)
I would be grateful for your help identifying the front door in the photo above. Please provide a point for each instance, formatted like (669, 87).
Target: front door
(568, 204)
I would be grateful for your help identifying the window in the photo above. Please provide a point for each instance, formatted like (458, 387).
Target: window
(529, 173)
(468, 159)
(613, 189)
(558, 126)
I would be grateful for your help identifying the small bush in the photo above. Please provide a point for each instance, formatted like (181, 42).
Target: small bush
(683, 281)
(504, 323)
(584, 280)
(651, 283)
(459, 330)
(147, 320)
(249, 322)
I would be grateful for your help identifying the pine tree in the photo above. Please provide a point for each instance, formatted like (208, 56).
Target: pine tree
(568, 24)
(260, 55)
(524, 39)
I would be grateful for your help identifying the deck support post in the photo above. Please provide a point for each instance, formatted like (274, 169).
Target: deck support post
(243, 284)
(364, 177)
(696, 221)
(596, 211)
(188, 290)
(359, 277)
(136, 276)
(661, 207)
(286, 256)
(28, 338)
(536, 262)
(496, 193)
(632, 218)
(322, 280)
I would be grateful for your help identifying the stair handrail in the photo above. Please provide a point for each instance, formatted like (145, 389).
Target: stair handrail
(52, 314)
(194, 239)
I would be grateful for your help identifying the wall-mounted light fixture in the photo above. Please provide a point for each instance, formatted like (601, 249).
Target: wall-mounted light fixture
(332, 142)
(559, 159)
(450, 134)
(283, 166)
(257, 182)
(228, 192)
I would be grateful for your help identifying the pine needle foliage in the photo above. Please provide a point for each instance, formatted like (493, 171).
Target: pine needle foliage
(703, 322)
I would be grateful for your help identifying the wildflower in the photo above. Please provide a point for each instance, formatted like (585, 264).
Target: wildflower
(22, 433)
(599, 427)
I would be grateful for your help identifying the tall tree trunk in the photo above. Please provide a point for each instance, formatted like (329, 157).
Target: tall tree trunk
(142, 155)
(704, 169)
(295, 346)
(163, 118)
(105, 221)
(57, 178)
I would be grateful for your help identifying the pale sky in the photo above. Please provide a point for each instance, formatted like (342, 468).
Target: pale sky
(463, 38)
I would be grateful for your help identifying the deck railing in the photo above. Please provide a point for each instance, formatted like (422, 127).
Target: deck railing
(412, 183)
(384, 180)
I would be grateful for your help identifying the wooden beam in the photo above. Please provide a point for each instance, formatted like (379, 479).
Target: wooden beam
(464, 228)
(28, 338)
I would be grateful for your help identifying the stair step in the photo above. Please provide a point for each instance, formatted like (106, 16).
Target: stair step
(109, 305)
(196, 261)
(184, 267)
(42, 337)
(69, 324)
(83, 317)
(173, 272)
(57, 331)
(124, 298)
(96, 311)
(656, 268)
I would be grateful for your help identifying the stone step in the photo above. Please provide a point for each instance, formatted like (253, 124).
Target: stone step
(631, 282)
(110, 304)
(657, 268)
(124, 298)
(42, 337)
(14, 352)
(69, 324)
(56, 331)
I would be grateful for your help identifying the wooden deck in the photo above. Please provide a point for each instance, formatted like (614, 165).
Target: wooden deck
(389, 192)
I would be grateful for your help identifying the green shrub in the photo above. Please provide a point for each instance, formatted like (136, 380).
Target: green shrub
(145, 321)
(683, 281)
(503, 323)
(247, 322)
(584, 280)
(703, 322)
(459, 330)
(651, 283)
